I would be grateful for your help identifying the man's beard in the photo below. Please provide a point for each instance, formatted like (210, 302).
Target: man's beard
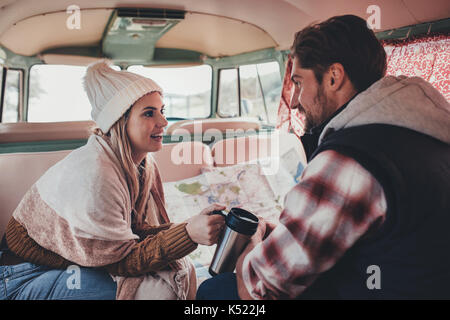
(319, 104)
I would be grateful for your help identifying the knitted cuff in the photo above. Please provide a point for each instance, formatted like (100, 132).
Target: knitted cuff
(177, 242)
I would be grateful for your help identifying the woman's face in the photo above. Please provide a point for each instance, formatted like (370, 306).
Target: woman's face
(145, 125)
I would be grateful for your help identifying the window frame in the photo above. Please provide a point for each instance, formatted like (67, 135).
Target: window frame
(2, 90)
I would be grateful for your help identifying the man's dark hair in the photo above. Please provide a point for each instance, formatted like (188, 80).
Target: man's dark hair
(342, 39)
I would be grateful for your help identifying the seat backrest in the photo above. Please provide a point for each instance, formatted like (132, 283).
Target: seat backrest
(232, 151)
(19, 171)
(244, 149)
(178, 161)
(200, 126)
(44, 131)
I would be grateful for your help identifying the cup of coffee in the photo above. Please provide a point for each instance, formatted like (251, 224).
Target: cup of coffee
(240, 226)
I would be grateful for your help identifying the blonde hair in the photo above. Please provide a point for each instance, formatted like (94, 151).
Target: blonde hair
(139, 177)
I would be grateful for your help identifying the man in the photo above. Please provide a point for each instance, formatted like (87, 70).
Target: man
(370, 216)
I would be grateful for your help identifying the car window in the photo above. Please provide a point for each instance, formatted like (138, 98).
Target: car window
(257, 86)
(56, 93)
(228, 103)
(11, 98)
(187, 90)
(270, 77)
(252, 100)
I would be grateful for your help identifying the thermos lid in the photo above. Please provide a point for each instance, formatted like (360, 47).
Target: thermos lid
(242, 221)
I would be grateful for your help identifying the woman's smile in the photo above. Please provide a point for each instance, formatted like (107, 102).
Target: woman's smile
(157, 137)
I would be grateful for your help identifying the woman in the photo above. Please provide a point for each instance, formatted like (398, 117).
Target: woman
(102, 208)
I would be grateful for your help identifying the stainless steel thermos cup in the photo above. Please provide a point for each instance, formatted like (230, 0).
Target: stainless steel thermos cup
(240, 225)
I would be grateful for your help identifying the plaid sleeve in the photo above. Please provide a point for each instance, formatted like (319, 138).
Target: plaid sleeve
(336, 202)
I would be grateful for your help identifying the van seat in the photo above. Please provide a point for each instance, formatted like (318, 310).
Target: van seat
(45, 131)
(19, 172)
(232, 151)
(178, 161)
(221, 124)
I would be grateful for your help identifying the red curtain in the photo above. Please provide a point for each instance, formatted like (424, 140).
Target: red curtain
(427, 57)
(289, 120)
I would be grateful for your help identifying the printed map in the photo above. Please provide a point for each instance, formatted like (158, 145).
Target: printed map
(255, 187)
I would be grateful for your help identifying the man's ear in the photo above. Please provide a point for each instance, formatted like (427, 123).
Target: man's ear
(335, 76)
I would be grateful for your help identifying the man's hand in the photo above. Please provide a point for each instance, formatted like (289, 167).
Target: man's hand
(260, 231)
(270, 225)
(256, 238)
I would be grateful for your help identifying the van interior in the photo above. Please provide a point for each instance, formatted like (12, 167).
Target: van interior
(221, 64)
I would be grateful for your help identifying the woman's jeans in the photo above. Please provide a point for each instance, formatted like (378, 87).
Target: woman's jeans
(28, 281)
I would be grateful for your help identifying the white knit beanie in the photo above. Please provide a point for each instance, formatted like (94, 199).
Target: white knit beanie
(111, 93)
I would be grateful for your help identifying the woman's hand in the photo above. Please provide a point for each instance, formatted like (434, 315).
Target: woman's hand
(205, 228)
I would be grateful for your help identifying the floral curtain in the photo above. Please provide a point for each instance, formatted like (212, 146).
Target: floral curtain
(427, 57)
(289, 120)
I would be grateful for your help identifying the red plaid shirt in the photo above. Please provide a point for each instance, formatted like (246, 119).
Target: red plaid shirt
(336, 203)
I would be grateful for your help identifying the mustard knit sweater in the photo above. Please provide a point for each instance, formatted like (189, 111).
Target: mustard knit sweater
(156, 249)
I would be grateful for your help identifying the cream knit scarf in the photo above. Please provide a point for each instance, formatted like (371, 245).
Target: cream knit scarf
(80, 209)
